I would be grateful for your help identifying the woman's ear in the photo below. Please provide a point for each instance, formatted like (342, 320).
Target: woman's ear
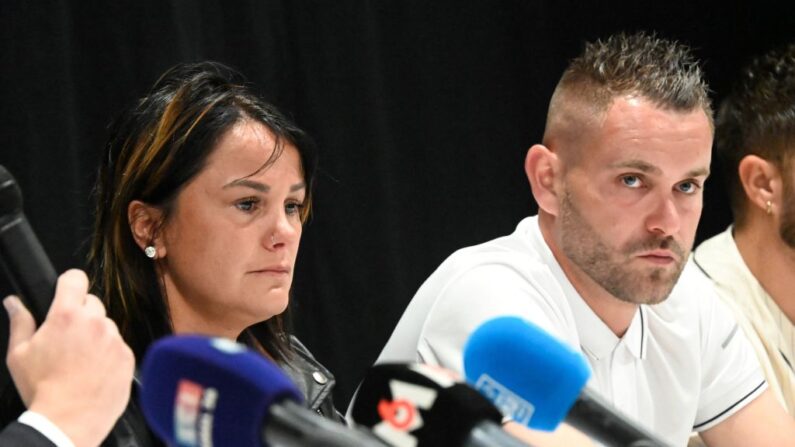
(761, 181)
(145, 221)
(542, 166)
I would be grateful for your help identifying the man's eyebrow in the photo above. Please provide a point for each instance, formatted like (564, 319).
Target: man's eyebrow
(261, 187)
(640, 165)
(698, 172)
(643, 166)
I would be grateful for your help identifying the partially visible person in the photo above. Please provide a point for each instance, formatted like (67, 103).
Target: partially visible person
(200, 203)
(753, 261)
(604, 266)
(74, 373)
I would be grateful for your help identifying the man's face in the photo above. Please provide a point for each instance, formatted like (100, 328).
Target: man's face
(632, 198)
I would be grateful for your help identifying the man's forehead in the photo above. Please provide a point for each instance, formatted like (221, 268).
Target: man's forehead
(636, 122)
(634, 130)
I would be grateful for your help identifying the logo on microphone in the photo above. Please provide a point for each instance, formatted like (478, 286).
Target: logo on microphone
(193, 414)
(401, 415)
(509, 403)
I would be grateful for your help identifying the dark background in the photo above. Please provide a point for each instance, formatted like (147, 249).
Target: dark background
(423, 111)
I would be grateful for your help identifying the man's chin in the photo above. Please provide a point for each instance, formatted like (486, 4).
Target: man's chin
(653, 290)
(656, 299)
(645, 297)
(658, 292)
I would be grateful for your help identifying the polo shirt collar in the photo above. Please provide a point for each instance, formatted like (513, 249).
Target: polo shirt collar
(637, 334)
(596, 338)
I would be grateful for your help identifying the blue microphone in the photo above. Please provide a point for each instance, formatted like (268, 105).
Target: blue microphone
(539, 382)
(203, 392)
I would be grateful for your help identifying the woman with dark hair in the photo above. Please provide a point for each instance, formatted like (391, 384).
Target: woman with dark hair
(200, 202)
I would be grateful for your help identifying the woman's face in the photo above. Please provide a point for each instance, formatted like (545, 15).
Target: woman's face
(229, 246)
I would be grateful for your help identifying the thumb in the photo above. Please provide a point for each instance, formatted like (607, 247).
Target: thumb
(20, 322)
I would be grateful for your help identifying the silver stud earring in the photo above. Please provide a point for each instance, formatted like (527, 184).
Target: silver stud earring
(150, 252)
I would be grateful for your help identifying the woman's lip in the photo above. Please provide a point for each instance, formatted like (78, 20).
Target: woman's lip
(273, 271)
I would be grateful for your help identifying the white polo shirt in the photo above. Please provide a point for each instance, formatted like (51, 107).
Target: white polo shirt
(681, 366)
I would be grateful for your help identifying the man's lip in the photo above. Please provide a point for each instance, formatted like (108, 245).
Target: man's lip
(659, 255)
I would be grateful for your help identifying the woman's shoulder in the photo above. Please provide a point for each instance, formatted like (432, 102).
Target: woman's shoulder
(314, 380)
(131, 430)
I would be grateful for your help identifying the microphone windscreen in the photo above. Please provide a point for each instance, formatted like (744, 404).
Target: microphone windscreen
(526, 372)
(209, 391)
(413, 404)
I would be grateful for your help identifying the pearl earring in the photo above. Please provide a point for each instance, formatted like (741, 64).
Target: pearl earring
(150, 252)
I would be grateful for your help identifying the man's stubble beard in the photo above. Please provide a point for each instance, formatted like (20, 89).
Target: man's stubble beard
(611, 268)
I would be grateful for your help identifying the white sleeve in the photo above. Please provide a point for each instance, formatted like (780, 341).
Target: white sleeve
(44, 426)
(474, 297)
(731, 376)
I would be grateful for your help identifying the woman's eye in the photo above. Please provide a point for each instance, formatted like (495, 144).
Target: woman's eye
(293, 208)
(247, 205)
(632, 181)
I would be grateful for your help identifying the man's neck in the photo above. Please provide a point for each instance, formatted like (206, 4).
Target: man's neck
(616, 314)
(770, 260)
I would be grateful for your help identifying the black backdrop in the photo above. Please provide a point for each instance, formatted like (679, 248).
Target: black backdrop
(423, 111)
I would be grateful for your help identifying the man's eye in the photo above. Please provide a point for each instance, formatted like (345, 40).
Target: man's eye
(688, 187)
(632, 181)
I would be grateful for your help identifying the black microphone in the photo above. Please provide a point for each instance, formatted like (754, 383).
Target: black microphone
(27, 265)
(410, 405)
(539, 382)
(211, 392)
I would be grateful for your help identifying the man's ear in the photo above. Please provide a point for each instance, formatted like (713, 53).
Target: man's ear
(145, 222)
(761, 182)
(542, 167)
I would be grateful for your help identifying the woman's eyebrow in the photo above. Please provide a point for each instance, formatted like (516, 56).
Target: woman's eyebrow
(258, 186)
(261, 187)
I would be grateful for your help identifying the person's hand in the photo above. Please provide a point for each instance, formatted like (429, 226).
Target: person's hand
(75, 369)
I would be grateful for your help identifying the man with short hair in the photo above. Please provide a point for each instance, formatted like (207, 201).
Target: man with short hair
(753, 261)
(618, 181)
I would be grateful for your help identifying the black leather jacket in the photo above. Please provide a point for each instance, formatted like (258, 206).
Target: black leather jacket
(312, 378)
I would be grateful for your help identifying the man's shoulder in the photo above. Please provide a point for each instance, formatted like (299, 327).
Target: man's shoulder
(517, 250)
(693, 297)
(693, 282)
(504, 276)
(497, 265)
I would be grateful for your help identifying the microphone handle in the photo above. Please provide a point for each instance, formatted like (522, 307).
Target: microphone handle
(292, 425)
(27, 265)
(489, 434)
(598, 419)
